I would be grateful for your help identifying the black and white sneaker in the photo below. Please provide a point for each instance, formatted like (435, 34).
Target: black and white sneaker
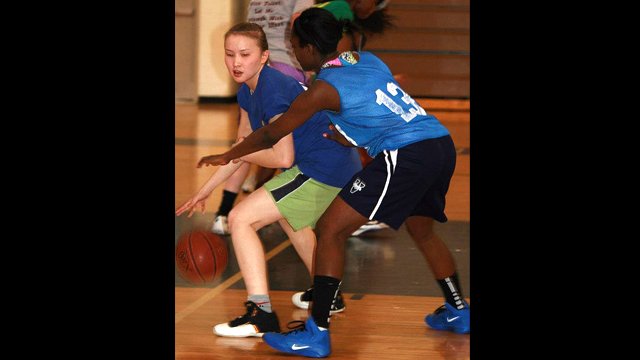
(370, 226)
(220, 225)
(303, 298)
(254, 323)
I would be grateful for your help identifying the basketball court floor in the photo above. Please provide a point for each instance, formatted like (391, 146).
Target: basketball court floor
(387, 285)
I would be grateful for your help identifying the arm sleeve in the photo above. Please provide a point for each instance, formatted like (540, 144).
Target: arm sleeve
(275, 105)
(277, 98)
(243, 100)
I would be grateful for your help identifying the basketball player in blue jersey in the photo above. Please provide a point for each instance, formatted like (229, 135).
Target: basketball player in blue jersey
(314, 171)
(414, 160)
(275, 19)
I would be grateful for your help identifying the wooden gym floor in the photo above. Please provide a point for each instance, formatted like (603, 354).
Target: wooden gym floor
(388, 286)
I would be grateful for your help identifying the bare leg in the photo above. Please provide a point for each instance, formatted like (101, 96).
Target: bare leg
(256, 211)
(304, 241)
(234, 182)
(456, 317)
(337, 223)
(431, 245)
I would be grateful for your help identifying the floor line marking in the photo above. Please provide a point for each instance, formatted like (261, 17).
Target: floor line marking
(223, 286)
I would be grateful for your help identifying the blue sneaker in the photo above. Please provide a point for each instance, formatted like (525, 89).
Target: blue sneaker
(446, 317)
(306, 340)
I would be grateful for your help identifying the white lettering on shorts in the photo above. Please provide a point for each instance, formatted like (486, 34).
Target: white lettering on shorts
(357, 186)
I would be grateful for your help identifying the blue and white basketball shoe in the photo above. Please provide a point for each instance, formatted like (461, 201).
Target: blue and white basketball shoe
(306, 340)
(447, 317)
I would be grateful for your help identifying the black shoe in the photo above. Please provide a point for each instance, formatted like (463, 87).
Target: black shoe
(255, 323)
(303, 298)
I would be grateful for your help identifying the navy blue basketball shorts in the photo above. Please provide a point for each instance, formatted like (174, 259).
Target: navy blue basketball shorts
(409, 181)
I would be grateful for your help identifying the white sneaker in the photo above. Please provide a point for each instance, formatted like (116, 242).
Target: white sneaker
(220, 225)
(371, 225)
(254, 323)
(249, 184)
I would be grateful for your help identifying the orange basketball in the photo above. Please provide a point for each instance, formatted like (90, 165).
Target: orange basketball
(201, 256)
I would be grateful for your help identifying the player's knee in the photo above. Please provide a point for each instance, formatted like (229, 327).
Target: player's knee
(239, 217)
(330, 233)
(233, 218)
(420, 227)
(419, 233)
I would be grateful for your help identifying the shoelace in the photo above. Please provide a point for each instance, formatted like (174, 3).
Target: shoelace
(295, 326)
(440, 309)
(443, 308)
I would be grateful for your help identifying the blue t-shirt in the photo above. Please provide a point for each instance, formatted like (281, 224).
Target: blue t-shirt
(375, 113)
(321, 159)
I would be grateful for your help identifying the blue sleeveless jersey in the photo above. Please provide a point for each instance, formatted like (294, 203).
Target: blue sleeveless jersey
(321, 159)
(375, 113)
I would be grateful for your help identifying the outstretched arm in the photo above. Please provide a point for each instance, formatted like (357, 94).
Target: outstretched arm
(320, 96)
(197, 201)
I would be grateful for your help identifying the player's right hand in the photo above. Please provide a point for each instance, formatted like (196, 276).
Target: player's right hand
(213, 160)
(192, 205)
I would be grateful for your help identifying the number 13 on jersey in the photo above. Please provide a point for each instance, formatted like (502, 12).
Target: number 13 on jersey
(384, 99)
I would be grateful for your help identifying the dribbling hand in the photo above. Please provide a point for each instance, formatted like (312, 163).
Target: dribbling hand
(192, 205)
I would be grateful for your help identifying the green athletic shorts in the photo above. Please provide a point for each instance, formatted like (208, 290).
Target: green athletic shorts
(300, 199)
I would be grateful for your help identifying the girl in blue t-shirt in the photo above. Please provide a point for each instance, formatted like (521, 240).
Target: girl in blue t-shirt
(314, 171)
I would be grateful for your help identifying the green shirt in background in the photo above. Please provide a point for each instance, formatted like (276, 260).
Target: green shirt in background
(339, 8)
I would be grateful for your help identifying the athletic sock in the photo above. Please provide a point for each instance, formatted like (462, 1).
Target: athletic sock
(452, 291)
(325, 289)
(262, 301)
(228, 198)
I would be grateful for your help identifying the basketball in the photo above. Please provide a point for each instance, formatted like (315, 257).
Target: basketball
(201, 256)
